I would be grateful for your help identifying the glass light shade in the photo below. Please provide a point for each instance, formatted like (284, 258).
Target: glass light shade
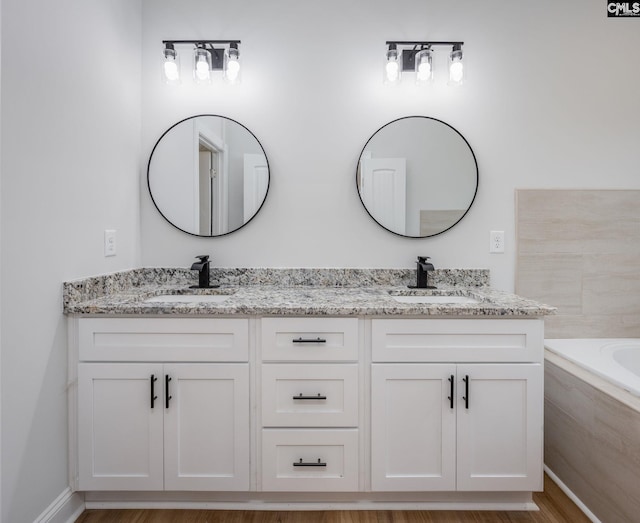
(201, 65)
(456, 67)
(424, 69)
(171, 65)
(391, 66)
(232, 65)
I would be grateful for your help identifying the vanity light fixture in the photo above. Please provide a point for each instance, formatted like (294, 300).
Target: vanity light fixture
(417, 57)
(209, 56)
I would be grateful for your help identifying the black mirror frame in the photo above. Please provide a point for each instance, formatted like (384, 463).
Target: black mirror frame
(149, 183)
(475, 161)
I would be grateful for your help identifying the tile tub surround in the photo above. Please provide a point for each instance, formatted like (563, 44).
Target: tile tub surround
(580, 250)
(591, 439)
(293, 292)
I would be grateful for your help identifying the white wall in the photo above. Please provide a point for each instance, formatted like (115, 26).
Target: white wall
(550, 101)
(70, 169)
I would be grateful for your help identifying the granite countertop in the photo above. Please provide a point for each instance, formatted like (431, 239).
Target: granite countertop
(273, 298)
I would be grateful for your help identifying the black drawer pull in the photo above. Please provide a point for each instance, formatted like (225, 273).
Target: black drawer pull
(309, 464)
(301, 397)
(466, 391)
(153, 395)
(307, 340)
(450, 397)
(168, 396)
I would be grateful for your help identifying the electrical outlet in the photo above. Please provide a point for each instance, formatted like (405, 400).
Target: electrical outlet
(109, 242)
(496, 241)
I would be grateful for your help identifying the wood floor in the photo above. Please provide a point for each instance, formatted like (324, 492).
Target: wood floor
(555, 507)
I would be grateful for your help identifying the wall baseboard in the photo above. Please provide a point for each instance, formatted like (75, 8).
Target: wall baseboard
(66, 508)
(571, 495)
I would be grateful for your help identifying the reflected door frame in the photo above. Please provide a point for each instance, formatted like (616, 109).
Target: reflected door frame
(217, 186)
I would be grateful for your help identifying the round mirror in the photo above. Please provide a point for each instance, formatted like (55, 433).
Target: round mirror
(417, 176)
(208, 175)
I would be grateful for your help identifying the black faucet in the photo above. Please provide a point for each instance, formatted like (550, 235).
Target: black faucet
(423, 268)
(203, 273)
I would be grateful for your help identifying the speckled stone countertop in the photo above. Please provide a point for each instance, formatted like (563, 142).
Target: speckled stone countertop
(294, 292)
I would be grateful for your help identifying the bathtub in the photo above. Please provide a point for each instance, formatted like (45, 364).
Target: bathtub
(617, 360)
(592, 424)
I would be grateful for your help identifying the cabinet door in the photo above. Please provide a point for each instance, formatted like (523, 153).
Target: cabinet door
(500, 427)
(119, 432)
(207, 427)
(413, 427)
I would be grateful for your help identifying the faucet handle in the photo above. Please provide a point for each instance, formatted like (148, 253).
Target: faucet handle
(203, 257)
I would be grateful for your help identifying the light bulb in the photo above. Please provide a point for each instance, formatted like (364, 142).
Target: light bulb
(171, 70)
(456, 72)
(456, 67)
(392, 71)
(423, 66)
(233, 68)
(202, 68)
(232, 64)
(170, 65)
(391, 65)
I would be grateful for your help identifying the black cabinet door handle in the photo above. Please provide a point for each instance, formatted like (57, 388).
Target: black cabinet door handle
(301, 397)
(466, 391)
(153, 395)
(308, 340)
(301, 463)
(450, 397)
(167, 396)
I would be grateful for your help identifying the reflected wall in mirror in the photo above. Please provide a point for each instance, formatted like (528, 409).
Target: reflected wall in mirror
(417, 176)
(208, 175)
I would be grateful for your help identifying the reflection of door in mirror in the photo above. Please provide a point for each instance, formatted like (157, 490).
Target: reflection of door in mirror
(383, 190)
(256, 181)
(210, 199)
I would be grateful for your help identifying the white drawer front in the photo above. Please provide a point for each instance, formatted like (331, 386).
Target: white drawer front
(160, 339)
(438, 340)
(310, 460)
(310, 339)
(311, 395)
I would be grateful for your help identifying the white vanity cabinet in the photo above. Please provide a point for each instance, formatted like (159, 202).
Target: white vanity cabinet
(428, 409)
(438, 423)
(154, 410)
(310, 404)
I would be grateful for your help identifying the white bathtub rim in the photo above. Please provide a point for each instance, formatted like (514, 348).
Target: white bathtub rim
(596, 356)
(598, 383)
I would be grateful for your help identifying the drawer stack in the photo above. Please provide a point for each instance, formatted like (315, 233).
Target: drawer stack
(310, 405)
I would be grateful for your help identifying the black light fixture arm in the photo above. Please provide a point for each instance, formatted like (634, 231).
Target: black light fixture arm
(196, 42)
(425, 44)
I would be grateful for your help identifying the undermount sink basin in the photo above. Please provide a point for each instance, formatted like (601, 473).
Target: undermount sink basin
(434, 299)
(188, 298)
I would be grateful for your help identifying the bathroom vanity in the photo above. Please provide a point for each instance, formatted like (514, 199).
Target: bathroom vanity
(298, 395)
